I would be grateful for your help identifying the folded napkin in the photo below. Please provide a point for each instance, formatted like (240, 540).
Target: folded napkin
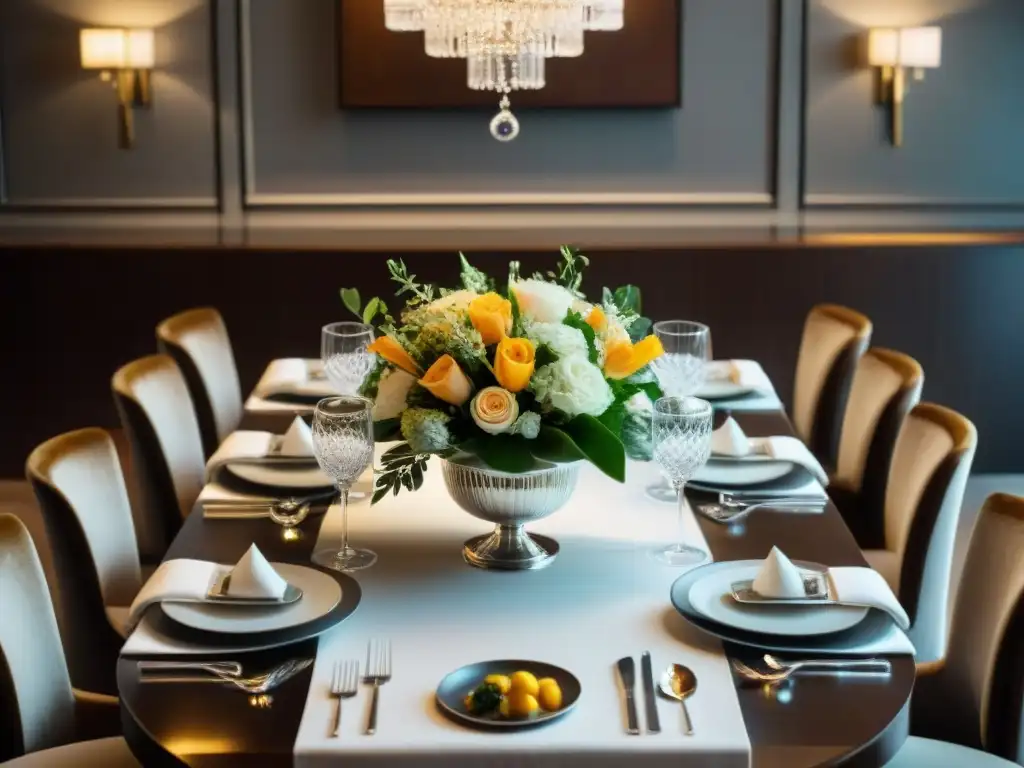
(250, 447)
(292, 376)
(779, 578)
(747, 373)
(730, 440)
(190, 580)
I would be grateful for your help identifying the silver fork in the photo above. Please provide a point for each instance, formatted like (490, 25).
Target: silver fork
(344, 685)
(378, 672)
(857, 667)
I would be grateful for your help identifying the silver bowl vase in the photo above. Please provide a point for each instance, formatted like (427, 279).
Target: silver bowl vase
(509, 501)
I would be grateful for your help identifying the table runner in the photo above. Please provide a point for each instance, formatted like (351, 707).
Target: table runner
(601, 599)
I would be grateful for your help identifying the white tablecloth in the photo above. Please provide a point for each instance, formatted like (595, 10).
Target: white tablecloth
(601, 599)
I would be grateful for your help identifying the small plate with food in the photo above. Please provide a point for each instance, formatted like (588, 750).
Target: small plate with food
(508, 694)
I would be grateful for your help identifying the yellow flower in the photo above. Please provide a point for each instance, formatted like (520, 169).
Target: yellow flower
(513, 363)
(597, 319)
(494, 410)
(492, 316)
(394, 353)
(446, 381)
(622, 359)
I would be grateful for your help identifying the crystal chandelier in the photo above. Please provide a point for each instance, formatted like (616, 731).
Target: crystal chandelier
(505, 42)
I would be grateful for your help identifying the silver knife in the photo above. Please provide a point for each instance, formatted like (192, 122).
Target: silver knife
(628, 674)
(650, 703)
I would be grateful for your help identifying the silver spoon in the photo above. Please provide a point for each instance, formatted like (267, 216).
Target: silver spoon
(679, 683)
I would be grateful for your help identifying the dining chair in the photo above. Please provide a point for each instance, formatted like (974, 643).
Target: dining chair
(886, 385)
(78, 482)
(834, 339)
(930, 465)
(42, 718)
(167, 451)
(974, 698)
(198, 341)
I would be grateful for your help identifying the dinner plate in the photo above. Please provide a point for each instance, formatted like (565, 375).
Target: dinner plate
(453, 689)
(228, 478)
(711, 597)
(742, 471)
(760, 476)
(281, 475)
(320, 594)
(876, 625)
(723, 389)
(351, 594)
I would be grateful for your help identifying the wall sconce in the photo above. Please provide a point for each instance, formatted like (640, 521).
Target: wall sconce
(895, 51)
(126, 58)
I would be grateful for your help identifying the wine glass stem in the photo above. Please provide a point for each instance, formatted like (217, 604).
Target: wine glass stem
(343, 499)
(681, 502)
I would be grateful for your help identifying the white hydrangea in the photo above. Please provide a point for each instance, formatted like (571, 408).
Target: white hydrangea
(392, 392)
(563, 340)
(572, 385)
(542, 301)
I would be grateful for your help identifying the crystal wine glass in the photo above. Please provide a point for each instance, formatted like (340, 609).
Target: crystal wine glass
(343, 350)
(682, 445)
(343, 444)
(682, 369)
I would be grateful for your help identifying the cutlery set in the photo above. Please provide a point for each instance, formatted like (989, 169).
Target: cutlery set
(345, 681)
(227, 673)
(677, 682)
(780, 671)
(731, 507)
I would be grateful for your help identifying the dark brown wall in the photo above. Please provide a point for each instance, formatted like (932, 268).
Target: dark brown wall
(72, 316)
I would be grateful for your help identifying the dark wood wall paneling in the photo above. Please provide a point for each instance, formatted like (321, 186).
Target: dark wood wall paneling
(74, 315)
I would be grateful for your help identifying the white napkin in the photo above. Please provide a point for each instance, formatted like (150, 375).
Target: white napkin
(291, 375)
(253, 576)
(747, 373)
(298, 440)
(854, 585)
(173, 580)
(239, 446)
(778, 577)
(730, 440)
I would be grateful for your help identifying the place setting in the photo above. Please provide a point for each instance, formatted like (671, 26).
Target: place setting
(740, 385)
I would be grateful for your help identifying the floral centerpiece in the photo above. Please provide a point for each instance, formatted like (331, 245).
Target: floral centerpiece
(519, 375)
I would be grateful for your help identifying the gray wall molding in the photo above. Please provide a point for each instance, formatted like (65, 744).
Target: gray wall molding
(825, 200)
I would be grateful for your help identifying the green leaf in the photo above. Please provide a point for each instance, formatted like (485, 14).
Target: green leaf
(371, 309)
(386, 430)
(472, 278)
(606, 296)
(543, 356)
(517, 317)
(554, 445)
(614, 417)
(627, 298)
(417, 475)
(350, 298)
(600, 445)
(639, 328)
(575, 320)
(379, 494)
(505, 453)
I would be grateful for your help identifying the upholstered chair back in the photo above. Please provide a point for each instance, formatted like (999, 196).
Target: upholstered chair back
(37, 706)
(167, 452)
(833, 340)
(198, 341)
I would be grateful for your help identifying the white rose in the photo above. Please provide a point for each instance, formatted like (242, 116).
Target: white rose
(563, 340)
(574, 386)
(494, 410)
(541, 301)
(458, 300)
(392, 391)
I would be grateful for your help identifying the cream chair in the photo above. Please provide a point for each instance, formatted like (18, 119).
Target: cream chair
(198, 341)
(976, 696)
(834, 338)
(41, 715)
(930, 465)
(886, 385)
(78, 482)
(167, 452)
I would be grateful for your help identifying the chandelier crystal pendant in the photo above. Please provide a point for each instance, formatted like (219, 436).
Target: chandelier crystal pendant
(505, 42)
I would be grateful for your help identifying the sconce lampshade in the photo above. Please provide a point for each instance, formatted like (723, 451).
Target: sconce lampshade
(117, 48)
(913, 47)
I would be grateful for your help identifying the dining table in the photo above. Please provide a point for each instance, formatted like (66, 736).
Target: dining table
(823, 720)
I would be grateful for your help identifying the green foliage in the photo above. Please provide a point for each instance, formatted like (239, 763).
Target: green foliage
(505, 453)
(639, 328)
(387, 430)
(407, 283)
(473, 279)
(350, 298)
(570, 273)
(401, 468)
(554, 445)
(543, 356)
(370, 384)
(517, 316)
(485, 699)
(627, 299)
(602, 447)
(374, 307)
(575, 320)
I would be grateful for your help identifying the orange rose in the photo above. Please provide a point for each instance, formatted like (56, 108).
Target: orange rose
(494, 410)
(446, 381)
(513, 363)
(597, 319)
(622, 359)
(394, 353)
(492, 316)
